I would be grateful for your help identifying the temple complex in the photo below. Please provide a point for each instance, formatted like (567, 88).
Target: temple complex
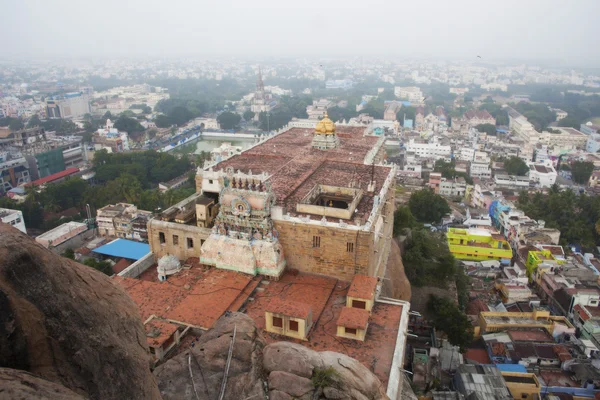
(317, 200)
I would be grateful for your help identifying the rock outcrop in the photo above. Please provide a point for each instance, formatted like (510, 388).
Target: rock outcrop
(69, 324)
(207, 360)
(286, 370)
(21, 385)
(397, 285)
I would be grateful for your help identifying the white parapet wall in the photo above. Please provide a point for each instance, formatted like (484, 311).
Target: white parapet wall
(138, 267)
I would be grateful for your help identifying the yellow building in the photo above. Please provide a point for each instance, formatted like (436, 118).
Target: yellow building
(361, 293)
(353, 323)
(522, 385)
(498, 321)
(537, 257)
(291, 319)
(478, 245)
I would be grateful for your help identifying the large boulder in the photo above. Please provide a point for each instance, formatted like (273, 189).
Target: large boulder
(348, 378)
(69, 324)
(207, 360)
(21, 385)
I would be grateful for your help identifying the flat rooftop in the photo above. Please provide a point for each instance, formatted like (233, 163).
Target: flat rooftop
(295, 167)
(61, 230)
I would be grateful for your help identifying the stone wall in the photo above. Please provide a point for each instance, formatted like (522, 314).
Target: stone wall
(181, 250)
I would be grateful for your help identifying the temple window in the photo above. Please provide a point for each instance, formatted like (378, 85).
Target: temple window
(161, 237)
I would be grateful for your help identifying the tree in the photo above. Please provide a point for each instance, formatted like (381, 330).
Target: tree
(340, 114)
(180, 115)
(406, 113)
(128, 125)
(403, 218)
(145, 109)
(152, 133)
(248, 115)
(34, 121)
(427, 206)
(228, 120)
(581, 171)
(487, 128)
(69, 253)
(16, 124)
(516, 166)
(163, 121)
(447, 317)
(102, 266)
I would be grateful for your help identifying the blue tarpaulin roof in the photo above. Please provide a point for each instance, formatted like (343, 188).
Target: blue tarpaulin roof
(511, 368)
(124, 248)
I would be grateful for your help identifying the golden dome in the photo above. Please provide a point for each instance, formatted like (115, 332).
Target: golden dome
(325, 126)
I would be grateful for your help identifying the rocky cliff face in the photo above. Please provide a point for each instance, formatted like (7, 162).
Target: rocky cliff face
(397, 285)
(284, 370)
(69, 324)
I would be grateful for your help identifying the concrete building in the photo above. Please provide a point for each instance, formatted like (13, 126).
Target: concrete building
(61, 234)
(481, 382)
(433, 149)
(478, 245)
(13, 218)
(119, 220)
(71, 105)
(480, 170)
(391, 110)
(542, 174)
(345, 84)
(568, 138)
(13, 173)
(521, 126)
(410, 93)
(453, 187)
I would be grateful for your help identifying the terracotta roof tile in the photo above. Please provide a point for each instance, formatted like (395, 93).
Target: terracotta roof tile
(158, 332)
(355, 318)
(289, 308)
(363, 287)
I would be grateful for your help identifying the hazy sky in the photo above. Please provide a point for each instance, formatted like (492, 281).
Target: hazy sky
(495, 29)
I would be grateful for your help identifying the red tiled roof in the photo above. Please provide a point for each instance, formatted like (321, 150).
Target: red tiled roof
(363, 287)
(327, 298)
(355, 318)
(289, 308)
(193, 296)
(53, 177)
(158, 332)
(478, 355)
(121, 265)
(582, 314)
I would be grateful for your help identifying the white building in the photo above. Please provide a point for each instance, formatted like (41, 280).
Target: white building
(568, 138)
(543, 173)
(410, 93)
(453, 187)
(480, 170)
(429, 150)
(14, 218)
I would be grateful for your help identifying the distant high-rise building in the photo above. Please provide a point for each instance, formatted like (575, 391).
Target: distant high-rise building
(71, 105)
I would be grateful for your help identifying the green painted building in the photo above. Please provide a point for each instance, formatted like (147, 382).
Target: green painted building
(50, 162)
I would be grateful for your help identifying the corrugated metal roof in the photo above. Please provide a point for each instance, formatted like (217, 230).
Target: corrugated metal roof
(125, 249)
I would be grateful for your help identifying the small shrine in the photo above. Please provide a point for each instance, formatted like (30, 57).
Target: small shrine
(324, 137)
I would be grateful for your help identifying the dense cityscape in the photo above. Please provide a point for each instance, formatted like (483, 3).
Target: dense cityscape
(299, 227)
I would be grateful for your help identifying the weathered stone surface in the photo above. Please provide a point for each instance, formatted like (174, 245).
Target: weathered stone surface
(279, 395)
(69, 324)
(21, 385)
(294, 385)
(334, 394)
(352, 379)
(290, 357)
(208, 359)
